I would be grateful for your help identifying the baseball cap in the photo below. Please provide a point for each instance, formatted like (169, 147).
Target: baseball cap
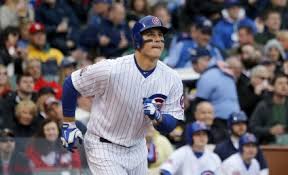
(232, 3)
(198, 53)
(49, 101)
(36, 27)
(102, 1)
(7, 133)
(204, 25)
(46, 90)
(68, 61)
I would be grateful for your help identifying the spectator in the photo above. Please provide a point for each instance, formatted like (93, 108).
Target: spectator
(68, 66)
(24, 91)
(159, 149)
(46, 152)
(201, 39)
(34, 68)
(272, 22)
(204, 161)
(252, 93)
(280, 6)
(282, 37)
(285, 67)
(137, 10)
(13, 12)
(244, 161)
(221, 92)
(100, 10)
(4, 82)
(24, 35)
(250, 57)
(53, 109)
(43, 94)
(225, 31)
(9, 53)
(12, 161)
(39, 49)
(274, 52)
(62, 25)
(237, 125)
(269, 119)
(112, 37)
(25, 112)
(204, 112)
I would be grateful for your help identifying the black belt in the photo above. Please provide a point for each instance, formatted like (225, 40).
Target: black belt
(104, 140)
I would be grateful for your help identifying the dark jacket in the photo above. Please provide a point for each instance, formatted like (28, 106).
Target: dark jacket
(226, 148)
(261, 120)
(18, 165)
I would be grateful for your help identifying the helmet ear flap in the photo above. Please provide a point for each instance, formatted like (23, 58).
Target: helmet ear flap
(136, 35)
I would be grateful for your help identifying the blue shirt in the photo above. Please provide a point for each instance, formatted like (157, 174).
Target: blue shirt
(218, 88)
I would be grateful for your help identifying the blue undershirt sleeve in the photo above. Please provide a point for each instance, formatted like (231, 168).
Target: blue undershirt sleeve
(69, 98)
(167, 125)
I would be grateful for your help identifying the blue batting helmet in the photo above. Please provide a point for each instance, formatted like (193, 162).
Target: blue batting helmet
(194, 128)
(237, 117)
(247, 138)
(145, 23)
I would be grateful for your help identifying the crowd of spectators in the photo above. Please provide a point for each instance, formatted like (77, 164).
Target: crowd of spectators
(239, 49)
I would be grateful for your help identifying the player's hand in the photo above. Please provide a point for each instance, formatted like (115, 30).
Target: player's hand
(70, 135)
(151, 110)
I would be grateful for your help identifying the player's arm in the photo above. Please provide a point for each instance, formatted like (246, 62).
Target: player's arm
(89, 81)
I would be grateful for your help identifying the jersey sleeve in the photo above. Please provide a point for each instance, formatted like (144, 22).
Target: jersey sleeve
(93, 79)
(174, 104)
(173, 163)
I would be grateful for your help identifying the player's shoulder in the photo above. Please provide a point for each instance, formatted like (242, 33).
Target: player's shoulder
(127, 59)
(182, 151)
(211, 155)
(168, 71)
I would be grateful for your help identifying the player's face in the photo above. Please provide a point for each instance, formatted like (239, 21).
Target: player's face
(153, 43)
(200, 139)
(249, 151)
(238, 129)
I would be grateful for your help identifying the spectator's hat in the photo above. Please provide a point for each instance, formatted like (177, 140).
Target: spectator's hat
(199, 52)
(204, 25)
(49, 102)
(68, 62)
(232, 3)
(46, 90)
(36, 27)
(5, 134)
(103, 1)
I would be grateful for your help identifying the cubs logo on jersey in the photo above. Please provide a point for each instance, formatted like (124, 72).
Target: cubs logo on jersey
(159, 99)
(208, 173)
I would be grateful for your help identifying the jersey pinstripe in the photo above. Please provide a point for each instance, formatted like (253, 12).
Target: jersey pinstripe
(119, 89)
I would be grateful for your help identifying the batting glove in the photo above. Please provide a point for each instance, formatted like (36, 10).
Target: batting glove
(151, 110)
(70, 134)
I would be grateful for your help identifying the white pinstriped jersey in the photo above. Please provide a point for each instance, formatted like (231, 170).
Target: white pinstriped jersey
(119, 88)
(184, 162)
(234, 165)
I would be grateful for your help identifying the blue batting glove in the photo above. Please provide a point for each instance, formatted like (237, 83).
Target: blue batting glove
(151, 110)
(70, 134)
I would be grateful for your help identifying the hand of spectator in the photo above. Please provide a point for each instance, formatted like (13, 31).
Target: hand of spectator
(263, 86)
(123, 42)
(277, 129)
(104, 40)
(62, 27)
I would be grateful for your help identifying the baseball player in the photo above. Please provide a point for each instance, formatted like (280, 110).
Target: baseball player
(130, 93)
(194, 157)
(243, 162)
